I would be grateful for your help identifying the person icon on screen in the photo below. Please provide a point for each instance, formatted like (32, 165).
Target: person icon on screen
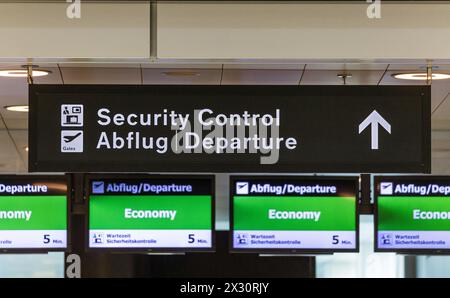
(71, 117)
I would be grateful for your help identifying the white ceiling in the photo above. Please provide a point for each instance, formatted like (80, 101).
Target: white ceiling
(83, 75)
(329, 77)
(261, 77)
(186, 76)
(14, 126)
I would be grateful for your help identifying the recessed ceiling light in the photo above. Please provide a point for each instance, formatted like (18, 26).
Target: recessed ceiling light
(18, 108)
(181, 73)
(420, 76)
(23, 73)
(26, 148)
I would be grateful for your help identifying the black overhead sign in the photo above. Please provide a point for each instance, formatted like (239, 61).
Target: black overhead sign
(77, 128)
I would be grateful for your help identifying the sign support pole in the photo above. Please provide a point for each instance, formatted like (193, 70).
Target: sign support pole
(365, 204)
(30, 74)
(153, 31)
(429, 74)
(78, 213)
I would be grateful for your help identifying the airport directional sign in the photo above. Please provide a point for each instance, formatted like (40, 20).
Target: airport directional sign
(301, 129)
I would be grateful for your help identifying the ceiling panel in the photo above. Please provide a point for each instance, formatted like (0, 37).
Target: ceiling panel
(103, 75)
(14, 116)
(346, 66)
(99, 65)
(443, 112)
(442, 67)
(184, 76)
(417, 67)
(10, 161)
(264, 66)
(54, 77)
(439, 88)
(400, 68)
(261, 77)
(20, 137)
(182, 65)
(16, 122)
(330, 77)
(13, 91)
(440, 144)
(406, 67)
(388, 79)
(439, 92)
(440, 99)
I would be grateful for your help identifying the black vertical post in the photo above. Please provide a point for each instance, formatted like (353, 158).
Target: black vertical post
(410, 266)
(77, 213)
(365, 202)
(100, 264)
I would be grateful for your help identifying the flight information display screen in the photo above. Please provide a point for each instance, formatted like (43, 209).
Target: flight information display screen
(298, 214)
(151, 213)
(33, 213)
(412, 214)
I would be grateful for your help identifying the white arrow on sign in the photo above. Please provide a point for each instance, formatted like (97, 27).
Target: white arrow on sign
(374, 119)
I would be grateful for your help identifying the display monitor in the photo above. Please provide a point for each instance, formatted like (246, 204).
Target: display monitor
(412, 214)
(33, 213)
(151, 213)
(294, 214)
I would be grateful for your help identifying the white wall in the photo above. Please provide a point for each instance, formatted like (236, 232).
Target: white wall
(42, 30)
(302, 31)
(226, 31)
